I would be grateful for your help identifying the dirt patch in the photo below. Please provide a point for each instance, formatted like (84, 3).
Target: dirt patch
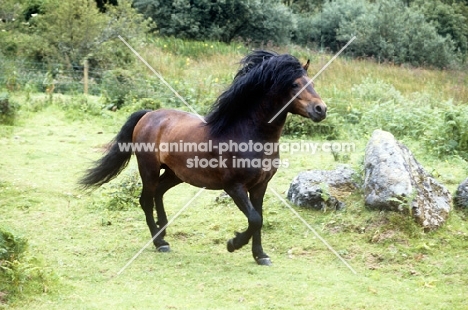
(3, 298)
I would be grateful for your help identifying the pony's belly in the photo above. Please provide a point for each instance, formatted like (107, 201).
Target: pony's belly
(220, 172)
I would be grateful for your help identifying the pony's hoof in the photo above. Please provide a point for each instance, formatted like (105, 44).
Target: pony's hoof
(265, 261)
(164, 249)
(230, 245)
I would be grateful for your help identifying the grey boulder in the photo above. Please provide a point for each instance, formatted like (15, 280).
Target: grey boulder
(322, 189)
(461, 195)
(395, 180)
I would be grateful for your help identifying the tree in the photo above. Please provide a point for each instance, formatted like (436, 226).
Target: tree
(321, 29)
(448, 20)
(393, 32)
(77, 29)
(71, 27)
(303, 6)
(267, 20)
(102, 4)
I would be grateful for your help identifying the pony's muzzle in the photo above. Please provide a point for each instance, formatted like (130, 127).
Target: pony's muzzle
(317, 111)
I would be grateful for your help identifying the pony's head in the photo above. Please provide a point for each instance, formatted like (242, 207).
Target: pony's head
(305, 101)
(267, 86)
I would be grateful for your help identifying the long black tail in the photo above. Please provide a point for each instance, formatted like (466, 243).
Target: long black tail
(115, 160)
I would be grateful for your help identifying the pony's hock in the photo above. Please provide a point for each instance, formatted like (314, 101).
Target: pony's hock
(266, 84)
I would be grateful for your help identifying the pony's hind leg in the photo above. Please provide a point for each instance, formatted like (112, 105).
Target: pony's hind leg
(149, 178)
(147, 204)
(166, 182)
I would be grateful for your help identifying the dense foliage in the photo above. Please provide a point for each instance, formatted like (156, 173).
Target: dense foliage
(390, 31)
(433, 33)
(19, 273)
(68, 32)
(8, 109)
(224, 21)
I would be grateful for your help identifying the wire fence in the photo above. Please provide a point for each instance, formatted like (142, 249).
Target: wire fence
(37, 76)
(55, 77)
(117, 87)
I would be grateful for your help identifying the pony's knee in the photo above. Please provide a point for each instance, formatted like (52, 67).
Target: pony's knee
(255, 221)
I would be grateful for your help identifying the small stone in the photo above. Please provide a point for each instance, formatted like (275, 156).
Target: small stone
(461, 195)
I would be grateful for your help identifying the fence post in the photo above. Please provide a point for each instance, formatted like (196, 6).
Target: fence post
(85, 76)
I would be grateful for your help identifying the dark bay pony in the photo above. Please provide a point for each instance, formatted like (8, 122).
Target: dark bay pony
(238, 128)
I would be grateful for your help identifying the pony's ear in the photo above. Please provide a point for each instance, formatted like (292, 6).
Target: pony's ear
(306, 66)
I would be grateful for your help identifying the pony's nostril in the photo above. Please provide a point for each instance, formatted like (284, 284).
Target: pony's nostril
(320, 110)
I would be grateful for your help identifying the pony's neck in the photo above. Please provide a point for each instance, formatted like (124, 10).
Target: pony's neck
(258, 128)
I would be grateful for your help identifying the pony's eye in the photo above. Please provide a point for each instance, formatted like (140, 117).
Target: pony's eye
(295, 85)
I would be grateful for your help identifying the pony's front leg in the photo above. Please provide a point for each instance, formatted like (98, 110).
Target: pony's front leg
(240, 197)
(256, 197)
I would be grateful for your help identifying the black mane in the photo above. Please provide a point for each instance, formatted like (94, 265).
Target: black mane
(262, 74)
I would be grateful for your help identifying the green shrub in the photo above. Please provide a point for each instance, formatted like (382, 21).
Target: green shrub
(393, 32)
(76, 30)
(123, 194)
(116, 85)
(376, 91)
(8, 109)
(329, 129)
(384, 107)
(79, 106)
(259, 21)
(143, 104)
(11, 247)
(449, 134)
(19, 273)
(67, 32)
(272, 22)
(441, 126)
(322, 28)
(386, 30)
(448, 20)
(120, 87)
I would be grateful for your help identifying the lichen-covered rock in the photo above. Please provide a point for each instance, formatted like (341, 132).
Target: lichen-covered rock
(394, 180)
(461, 195)
(322, 189)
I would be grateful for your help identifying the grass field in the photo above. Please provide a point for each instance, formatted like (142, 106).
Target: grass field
(82, 243)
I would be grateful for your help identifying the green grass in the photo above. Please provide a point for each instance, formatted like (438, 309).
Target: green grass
(196, 49)
(85, 244)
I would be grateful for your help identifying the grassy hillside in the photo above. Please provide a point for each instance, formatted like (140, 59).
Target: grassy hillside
(84, 239)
